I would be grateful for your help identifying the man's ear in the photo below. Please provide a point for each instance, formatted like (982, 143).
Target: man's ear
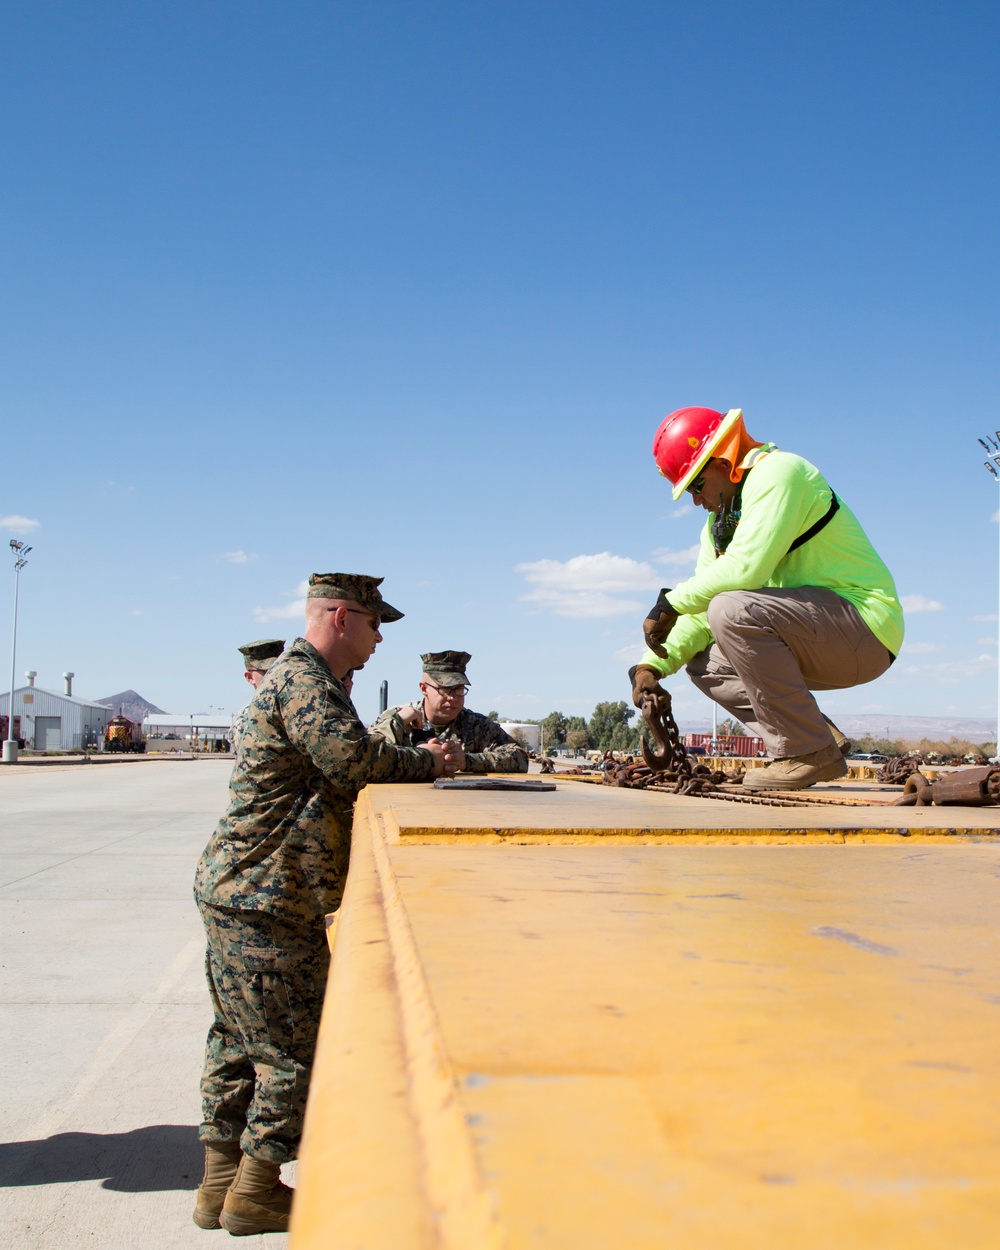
(247, 677)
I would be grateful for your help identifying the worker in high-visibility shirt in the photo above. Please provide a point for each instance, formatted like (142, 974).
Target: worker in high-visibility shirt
(788, 595)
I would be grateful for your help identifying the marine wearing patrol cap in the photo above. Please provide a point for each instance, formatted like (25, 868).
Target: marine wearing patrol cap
(259, 656)
(356, 586)
(447, 667)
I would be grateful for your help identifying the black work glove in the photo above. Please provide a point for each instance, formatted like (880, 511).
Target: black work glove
(660, 620)
(646, 685)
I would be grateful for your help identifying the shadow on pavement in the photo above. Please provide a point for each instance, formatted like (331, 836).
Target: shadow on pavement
(145, 1160)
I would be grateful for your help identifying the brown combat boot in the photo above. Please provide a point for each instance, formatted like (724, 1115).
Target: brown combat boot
(222, 1160)
(844, 744)
(799, 771)
(257, 1201)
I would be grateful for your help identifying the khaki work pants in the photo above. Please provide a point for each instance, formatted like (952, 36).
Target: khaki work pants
(771, 648)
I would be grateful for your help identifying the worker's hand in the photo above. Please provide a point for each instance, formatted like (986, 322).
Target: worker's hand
(412, 718)
(659, 622)
(449, 758)
(646, 685)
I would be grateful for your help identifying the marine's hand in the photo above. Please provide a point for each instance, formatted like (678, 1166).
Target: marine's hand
(456, 756)
(412, 718)
(448, 756)
(646, 685)
(659, 621)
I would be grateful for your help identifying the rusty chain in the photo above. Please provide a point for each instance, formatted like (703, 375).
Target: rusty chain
(667, 766)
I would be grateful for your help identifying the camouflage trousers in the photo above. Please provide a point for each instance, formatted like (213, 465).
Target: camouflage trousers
(266, 977)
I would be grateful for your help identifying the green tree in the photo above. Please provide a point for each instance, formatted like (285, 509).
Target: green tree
(578, 739)
(493, 715)
(607, 718)
(553, 729)
(625, 738)
(884, 746)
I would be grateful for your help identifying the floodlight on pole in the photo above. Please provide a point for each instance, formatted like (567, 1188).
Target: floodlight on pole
(20, 554)
(992, 462)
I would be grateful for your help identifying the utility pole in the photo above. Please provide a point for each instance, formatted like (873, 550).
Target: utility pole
(20, 553)
(992, 462)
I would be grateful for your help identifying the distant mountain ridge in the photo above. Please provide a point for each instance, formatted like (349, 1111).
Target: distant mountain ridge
(976, 729)
(132, 705)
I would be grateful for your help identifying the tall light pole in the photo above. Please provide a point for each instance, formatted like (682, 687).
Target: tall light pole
(992, 462)
(20, 553)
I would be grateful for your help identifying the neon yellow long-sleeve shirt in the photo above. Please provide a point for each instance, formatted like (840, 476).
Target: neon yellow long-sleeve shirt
(783, 495)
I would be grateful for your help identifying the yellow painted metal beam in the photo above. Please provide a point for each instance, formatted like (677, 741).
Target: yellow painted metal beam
(621, 1042)
(576, 809)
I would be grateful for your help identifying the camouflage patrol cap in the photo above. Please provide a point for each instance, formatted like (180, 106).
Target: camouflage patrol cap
(356, 586)
(259, 656)
(447, 667)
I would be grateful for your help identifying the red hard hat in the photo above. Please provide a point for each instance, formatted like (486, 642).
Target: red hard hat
(684, 442)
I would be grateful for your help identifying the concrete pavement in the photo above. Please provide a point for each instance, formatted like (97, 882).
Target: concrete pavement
(104, 1003)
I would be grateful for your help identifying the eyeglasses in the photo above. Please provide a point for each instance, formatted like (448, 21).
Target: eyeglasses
(450, 692)
(374, 620)
(697, 487)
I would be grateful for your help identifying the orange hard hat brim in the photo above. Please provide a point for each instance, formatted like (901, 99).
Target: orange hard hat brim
(726, 427)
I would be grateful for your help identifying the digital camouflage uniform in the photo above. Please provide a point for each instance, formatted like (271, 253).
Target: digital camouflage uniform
(273, 868)
(257, 657)
(488, 748)
(238, 728)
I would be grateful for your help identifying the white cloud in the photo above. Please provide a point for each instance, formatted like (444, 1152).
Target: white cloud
(951, 672)
(287, 611)
(136, 612)
(986, 642)
(240, 556)
(992, 616)
(920, 603)
(296, 608)
(629, 654)
(586, 586)
(19, 524)
(683, 510)
(995, 517)
(686, 558)
(921, 648)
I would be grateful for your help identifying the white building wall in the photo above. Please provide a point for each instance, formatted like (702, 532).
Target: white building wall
(77, 717)
(203, 727)
(531, 734)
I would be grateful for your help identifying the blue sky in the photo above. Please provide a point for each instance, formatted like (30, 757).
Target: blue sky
(407, 288)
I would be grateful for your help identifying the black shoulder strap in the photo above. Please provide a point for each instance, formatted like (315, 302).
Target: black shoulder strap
(813, 530)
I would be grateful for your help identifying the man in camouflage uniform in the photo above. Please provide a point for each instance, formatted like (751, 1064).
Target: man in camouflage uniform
(441, 715)
(257, 659)
(273, 868)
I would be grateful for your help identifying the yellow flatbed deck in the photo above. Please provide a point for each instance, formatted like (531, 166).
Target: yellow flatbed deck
(601, 1018)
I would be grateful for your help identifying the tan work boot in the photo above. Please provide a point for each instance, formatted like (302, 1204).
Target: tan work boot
(257, 1201)
(799, 771)
(221, 1162)
(845, 745)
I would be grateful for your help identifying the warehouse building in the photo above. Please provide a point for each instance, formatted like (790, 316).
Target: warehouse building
(529, 736)
(49, 721)
(191, 732)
